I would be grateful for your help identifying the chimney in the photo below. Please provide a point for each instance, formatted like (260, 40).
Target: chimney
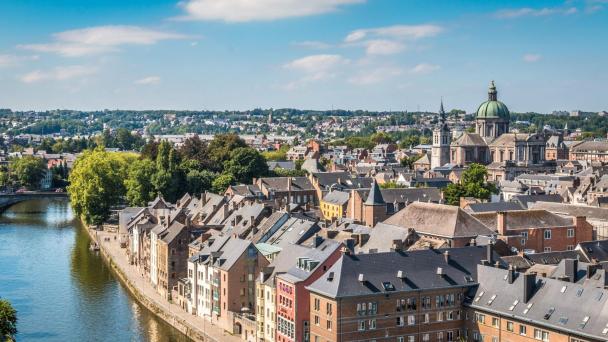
(591, 269)
(252, 220)
(473, 242)
(511, 274)
(397, 245)
(226, 210)
(440, 271)
(579, 221)
(350, 245)
(529, 285)
(501, 222)
(490, 253)
(361, 278)
(204, 197)
(401, 274)
(571, 266)
(446, 256)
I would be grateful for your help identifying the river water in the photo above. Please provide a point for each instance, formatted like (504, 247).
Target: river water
(62, 290)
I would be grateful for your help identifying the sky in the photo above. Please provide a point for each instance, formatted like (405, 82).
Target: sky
(307, 54)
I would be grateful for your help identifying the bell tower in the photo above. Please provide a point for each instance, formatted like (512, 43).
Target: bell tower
(440, 152)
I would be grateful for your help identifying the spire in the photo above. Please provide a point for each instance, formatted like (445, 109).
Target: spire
(492, 94)
(442, 112)
(375, 196)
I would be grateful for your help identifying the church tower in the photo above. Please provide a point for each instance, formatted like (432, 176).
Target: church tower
(440, 152)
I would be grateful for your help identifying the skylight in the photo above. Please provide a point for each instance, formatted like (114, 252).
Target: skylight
(563, 320)
(527, 308)
(584, 322)
(549, 313)
(388, 286)
(514, 304)
(491, 299)
(563, 289)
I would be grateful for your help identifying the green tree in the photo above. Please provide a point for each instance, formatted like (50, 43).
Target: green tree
(28, 171)
(97, 183)
(222, 182)
(138, 184)
(381, 138)
(198, 181)
(221, 147)
(8, 321)
(244, 164)
(391, 185)
(277, 155)
(409, 161)
(195, 149)
(472, 184)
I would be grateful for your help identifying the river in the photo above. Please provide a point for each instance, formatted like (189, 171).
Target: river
(63, 291)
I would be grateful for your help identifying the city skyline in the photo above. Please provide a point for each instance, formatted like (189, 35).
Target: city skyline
(348, 54)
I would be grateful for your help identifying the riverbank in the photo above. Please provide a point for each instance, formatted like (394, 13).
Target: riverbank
(194, 327)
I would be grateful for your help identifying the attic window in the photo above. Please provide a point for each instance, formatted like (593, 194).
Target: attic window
(563, 289)
(528, 308)
(599, 296)
(563, 320)
(491, 299)
(388, 286)
(584, 322)
(479, 297)
(549, 313)
(514, 304)
(605, 331)
(579, 292)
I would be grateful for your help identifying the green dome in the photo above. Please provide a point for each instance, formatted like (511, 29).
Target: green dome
(492, 109)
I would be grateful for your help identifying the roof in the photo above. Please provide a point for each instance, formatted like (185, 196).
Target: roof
(592, 213)
(284, 260)
(554, 304)
(554, 258)
(231, 252)
(246, 190)
(438, 220)
(280, 183)
(492, 109)
(172, 232)
(527, 200)
(494, 206)
(525, 219)
(419, 271)
(288, 165)
(594, 250)
(469, 139)
(375, 196)
(381, 237)
(590, 146)
(317, 255)
(406, 195)
(337, 197)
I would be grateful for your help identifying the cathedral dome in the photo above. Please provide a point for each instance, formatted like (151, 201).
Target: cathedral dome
(492, 109)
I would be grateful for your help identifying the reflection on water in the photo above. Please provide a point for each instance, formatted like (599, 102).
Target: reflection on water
(61, 290)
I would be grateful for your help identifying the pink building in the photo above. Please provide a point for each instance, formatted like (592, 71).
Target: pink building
(293, 298)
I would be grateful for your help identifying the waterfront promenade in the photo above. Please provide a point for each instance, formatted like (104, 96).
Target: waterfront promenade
(195, 327)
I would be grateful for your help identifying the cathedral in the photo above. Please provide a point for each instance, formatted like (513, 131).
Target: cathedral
(505, 154)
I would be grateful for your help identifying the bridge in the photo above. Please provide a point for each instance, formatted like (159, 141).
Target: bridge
(8, 199)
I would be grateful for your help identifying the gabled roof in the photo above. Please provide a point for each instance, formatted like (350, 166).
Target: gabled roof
(438, 220)
(494, 206)
(469, 139)
(319, 254)
(525, 219)
(419, 271)
(337, 197)
(280, 183)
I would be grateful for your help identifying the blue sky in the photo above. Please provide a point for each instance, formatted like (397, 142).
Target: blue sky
(310, 54)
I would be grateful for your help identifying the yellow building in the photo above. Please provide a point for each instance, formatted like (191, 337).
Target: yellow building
(334, 204)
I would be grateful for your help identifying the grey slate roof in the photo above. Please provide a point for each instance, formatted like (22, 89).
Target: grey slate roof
(319, 254)
(337, 197)
(494, 206)
(420, 269)
(594, 250)
(375, 196)
(570, 304)
(527, 200)
(525, 219)
(573, 210)
(381, 237)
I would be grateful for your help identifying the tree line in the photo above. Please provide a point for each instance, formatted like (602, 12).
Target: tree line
(100, 180)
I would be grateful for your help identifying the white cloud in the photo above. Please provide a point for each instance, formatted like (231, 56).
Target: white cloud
(100, 39)
(424, 68)
(535, 12)
(316, 63)
(383, 47)
(150, 80)
(14, 60)
(375, 76)
(255, 10)
(531, 58)
(406, 32)
(315, 68)
(312, 44)
(58, 74)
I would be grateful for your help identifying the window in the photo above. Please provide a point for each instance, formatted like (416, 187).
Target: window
(449, 336)
(570, 248)
(440, 316)
(317, 305)
(524, 235)
(426, 337)
(480, 318)
(328, 309)
(547, 249)
(522, 330)
(411, 320)
(440, 336)
(372, 324)
(510, 326)
(547, 234)
(426, 318)
(411, 338)
(495, 322)
(328, 325)
(361, 326)
(400, 321)
(400, 339)
(570, 232)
